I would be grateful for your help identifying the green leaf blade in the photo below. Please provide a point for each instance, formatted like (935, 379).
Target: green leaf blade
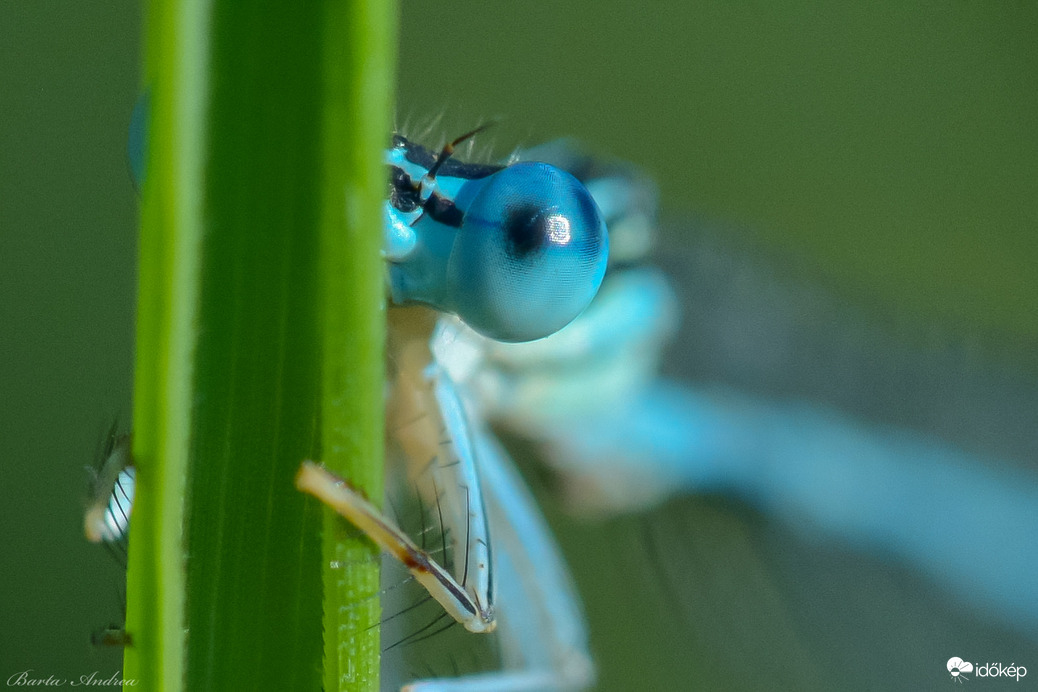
(259, 344)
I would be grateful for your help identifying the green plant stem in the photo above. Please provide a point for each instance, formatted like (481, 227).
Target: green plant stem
(359, 53)
(260, 337)
(170, 251)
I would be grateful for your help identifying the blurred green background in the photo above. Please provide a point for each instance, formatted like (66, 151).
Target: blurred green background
(892, 150)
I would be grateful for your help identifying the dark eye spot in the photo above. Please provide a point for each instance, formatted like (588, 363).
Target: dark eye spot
(526, 230)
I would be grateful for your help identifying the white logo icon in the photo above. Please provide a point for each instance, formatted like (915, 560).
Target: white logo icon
(957, 667)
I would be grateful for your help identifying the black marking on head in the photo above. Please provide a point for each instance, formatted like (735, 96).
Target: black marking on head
(426, 158)
(403, 191)
(444, 211)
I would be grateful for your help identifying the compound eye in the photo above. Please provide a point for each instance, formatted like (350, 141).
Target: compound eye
(530, 254)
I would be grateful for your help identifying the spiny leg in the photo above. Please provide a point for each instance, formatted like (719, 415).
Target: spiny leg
(430, 427)
(337, 494)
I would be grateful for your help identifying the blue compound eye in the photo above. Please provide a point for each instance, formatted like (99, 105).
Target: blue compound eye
(530, 254)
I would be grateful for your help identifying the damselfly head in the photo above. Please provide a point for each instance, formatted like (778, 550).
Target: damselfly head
(515, 251)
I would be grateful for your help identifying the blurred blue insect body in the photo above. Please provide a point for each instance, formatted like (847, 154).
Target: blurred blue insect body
(623, 438)
(508, 257)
